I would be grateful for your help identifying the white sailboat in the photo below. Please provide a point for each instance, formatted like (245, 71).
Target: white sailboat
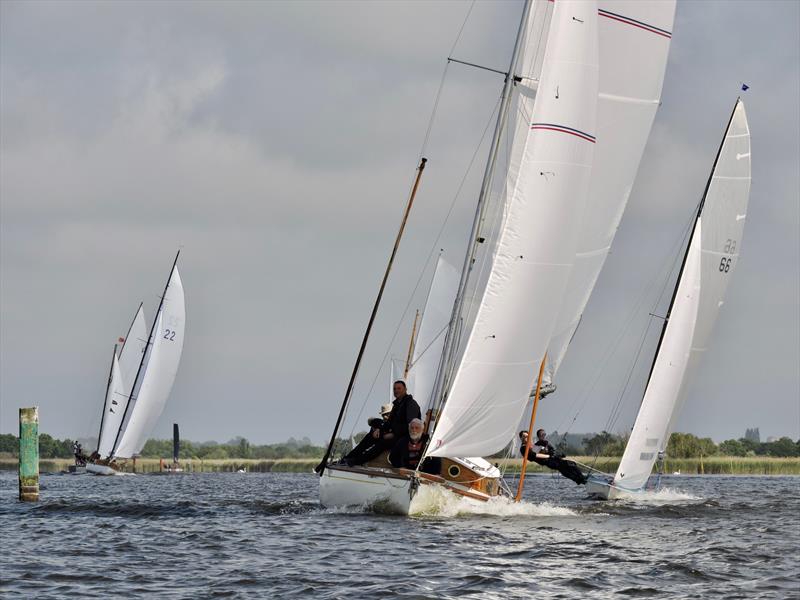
(486, 366)
(141, 379)
(709, 262)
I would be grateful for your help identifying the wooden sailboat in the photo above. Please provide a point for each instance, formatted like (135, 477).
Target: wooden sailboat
(708, 264)
(140, 380)
(500, 325)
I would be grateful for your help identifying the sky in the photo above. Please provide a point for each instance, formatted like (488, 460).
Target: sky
(275, 143)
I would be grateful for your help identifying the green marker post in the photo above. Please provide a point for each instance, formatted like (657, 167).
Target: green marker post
(29, 454)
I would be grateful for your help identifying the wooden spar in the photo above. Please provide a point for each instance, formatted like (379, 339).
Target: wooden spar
(323, 463)
(411, 345)
(530, 431)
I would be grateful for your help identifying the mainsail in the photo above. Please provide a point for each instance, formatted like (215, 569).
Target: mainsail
(634, 40)
(710, 260)
(157, 370)
(537, 243)
(430, 339)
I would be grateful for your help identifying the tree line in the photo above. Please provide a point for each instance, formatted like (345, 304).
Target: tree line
(681, 445)
(686, 445)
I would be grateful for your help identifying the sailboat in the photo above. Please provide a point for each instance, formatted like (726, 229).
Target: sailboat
(503, 316)
(708, 264)
(140, 380)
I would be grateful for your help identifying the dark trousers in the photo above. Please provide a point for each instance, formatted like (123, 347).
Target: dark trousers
(566, 467)
(367, 449)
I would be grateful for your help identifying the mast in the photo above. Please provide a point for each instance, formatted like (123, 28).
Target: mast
(453, 330)
(144, 354)
(411, 345)
(689, 243)
(127, 335)
(105, 400)
(323, 463)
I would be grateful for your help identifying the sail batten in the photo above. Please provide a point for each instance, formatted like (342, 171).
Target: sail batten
(546, 193)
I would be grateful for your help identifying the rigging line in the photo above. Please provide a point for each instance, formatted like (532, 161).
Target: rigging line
(584, 396)
(441, 85)
(427, 261)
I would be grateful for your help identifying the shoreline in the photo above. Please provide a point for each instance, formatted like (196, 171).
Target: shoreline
(714, 465)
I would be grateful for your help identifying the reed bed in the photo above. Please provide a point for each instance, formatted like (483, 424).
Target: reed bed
(713, 465)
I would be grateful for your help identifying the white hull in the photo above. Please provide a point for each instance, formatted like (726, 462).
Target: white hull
(603, 489)
(389, 491)
(99, 469)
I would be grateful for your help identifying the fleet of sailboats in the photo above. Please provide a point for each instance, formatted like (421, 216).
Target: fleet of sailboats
(577, 105)
(140, 380)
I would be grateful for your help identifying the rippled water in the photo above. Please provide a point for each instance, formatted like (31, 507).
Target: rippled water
(265, 536)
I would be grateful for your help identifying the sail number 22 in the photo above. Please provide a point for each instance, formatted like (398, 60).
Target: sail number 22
(169, 334)
(725, 262)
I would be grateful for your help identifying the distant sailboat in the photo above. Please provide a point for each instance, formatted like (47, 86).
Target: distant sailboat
(708, 264)
(491, 351)
(140, 380)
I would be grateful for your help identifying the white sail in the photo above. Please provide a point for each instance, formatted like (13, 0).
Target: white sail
(634, 40)
(432, 331)
(131, 353)
(537, 244)
(113, 410)
(159, 371)
(710, 262)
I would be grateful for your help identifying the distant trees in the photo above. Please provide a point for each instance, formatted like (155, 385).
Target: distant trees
(605, 443)
(686, 445)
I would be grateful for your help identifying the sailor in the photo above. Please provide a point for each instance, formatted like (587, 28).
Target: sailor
(404, 410)
(407, 452)
(373, 443)
(546, 455)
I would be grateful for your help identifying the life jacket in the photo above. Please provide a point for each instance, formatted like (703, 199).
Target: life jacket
(415, 452)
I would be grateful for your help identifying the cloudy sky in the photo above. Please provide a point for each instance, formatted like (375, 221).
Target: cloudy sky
(275, 144)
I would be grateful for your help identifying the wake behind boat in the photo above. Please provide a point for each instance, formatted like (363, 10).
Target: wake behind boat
(498, 325)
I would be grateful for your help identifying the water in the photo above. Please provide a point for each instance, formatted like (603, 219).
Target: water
(265, 536)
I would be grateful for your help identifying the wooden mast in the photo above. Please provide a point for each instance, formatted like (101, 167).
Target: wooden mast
(530, 431)
(324, 462)
(411, 344)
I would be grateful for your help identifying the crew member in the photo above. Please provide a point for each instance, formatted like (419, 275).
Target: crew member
(546, 455)
(373, 443)
(407, 452)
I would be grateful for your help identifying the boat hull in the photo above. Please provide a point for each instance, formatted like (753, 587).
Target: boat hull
(96, 469)
(604, 489)
(388, 491)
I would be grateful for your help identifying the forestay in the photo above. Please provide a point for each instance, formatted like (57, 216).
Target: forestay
(537, 243)
(634, 40)
(430, 340)
(710, 261)
(159, 368)
(114, 409)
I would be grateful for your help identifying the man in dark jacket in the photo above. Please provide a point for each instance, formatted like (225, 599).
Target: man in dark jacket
(407, 452)
(545, 454)
(404, 410)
